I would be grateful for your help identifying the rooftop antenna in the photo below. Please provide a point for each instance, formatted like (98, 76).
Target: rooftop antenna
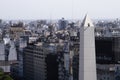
(50, 17)
(51, 13)
(72, 9)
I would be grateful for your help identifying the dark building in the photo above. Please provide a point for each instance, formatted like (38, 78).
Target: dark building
(55, 68)
(62, 24)
(28, 63)
(52, 63)
(107, 56)
(75, 67)
(104, 50)
(107, 50)
(41, 63)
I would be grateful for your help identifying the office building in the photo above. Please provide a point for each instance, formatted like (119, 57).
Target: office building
(43, 62)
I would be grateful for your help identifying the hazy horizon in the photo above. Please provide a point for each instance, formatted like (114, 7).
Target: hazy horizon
(56, 9)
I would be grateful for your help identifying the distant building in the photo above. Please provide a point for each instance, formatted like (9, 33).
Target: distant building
(16, 30)
(62, 24)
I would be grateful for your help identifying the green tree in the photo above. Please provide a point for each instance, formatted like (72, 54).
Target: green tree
(4, 76)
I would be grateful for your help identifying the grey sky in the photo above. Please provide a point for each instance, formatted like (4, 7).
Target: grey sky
(55, 9)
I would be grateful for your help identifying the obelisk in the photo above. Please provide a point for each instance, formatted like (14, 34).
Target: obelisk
(87, 58)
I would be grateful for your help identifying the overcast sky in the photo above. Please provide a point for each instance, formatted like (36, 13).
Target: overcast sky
(55, 9)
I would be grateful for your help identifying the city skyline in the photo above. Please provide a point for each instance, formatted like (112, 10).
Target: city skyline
(55, 9)
(60, 50)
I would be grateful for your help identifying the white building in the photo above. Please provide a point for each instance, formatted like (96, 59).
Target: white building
(12, 52)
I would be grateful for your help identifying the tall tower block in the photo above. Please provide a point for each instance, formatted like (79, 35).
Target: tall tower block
(87, 58)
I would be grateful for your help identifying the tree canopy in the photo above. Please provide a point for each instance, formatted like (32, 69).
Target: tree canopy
(4, 76)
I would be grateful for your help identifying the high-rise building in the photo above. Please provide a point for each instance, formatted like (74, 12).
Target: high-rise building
(109, 54)
(62, 24)
(42, 62)
(107, 59)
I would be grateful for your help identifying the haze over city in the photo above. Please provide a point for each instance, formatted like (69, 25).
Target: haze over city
(59, 40)
(55, 9)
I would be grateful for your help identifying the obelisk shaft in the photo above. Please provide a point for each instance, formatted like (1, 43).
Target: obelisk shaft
(87, 58)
